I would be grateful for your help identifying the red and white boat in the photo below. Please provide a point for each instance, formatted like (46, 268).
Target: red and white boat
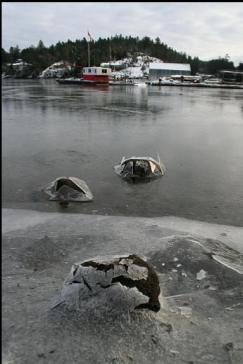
(97, 74)
(91, 76)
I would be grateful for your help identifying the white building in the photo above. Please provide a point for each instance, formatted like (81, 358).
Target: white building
(114, 65)
(57, 69)
(157, 70)
(137, 61)
(19, 65)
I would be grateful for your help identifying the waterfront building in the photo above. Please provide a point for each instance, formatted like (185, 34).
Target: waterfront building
(231, 77)
(19, 65)
(157, 70)
(56, 70)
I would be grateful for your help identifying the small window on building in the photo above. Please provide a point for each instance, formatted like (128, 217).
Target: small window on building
(104, 70)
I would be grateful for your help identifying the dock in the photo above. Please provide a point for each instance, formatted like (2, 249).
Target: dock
(192, 84)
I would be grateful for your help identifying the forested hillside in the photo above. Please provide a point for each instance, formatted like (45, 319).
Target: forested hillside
(102, 50)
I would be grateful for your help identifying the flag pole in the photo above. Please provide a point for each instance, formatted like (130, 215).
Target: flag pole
(88, 53)
(90, 38)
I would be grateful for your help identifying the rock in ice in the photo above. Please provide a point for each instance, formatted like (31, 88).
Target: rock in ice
(112, 276)
(66, 189)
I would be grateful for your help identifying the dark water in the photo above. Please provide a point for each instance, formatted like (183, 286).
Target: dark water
(51, 130)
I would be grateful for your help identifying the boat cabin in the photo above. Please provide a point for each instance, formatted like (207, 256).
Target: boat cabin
(97, 74)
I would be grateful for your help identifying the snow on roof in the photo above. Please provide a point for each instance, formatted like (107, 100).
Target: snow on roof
(170, 66)
(20, 63)
(120, 62)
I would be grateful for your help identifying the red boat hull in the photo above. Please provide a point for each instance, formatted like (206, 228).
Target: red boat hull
(96, 78)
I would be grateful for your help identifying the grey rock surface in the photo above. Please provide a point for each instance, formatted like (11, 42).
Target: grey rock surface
(67, 189)
(200, 321)
(133, 277)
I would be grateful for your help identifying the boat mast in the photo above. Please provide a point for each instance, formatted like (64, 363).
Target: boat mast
(110, 50)
(90, 38)
(89, 53)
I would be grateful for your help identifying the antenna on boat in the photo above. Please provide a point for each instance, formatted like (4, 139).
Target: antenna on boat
(88, 55)
(90, 38)
(110, 50)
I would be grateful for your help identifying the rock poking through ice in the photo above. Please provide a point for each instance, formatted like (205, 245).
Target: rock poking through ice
(112, 276)
(186, 311)
(201, 275)
(68, 189)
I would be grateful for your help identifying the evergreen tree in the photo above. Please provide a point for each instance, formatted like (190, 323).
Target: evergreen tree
(14, 53)
(215, 65)
(117, 46)
(240, 67)
(40, 45)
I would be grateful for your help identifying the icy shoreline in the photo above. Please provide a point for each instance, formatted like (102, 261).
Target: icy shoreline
(25, 219)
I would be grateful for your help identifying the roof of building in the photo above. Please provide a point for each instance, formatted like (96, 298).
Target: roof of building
(170, 66)
(20, 62)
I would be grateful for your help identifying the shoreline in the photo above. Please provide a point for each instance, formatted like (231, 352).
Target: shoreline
(136, 82)
(23, 218)
(199, 85)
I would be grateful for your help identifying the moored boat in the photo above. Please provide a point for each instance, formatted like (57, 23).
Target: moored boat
(91, 76)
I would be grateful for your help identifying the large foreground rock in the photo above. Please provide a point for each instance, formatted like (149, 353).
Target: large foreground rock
(110, 278)
(201, 318)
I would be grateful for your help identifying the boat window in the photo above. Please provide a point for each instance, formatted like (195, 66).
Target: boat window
(89, 70)
(104, 70)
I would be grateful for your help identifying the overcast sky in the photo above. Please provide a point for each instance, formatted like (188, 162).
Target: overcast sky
(205, 29)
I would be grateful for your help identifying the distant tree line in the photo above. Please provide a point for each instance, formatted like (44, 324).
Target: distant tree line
(102, 50)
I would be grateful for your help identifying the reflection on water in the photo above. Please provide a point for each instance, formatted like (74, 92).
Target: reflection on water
(52, 130)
